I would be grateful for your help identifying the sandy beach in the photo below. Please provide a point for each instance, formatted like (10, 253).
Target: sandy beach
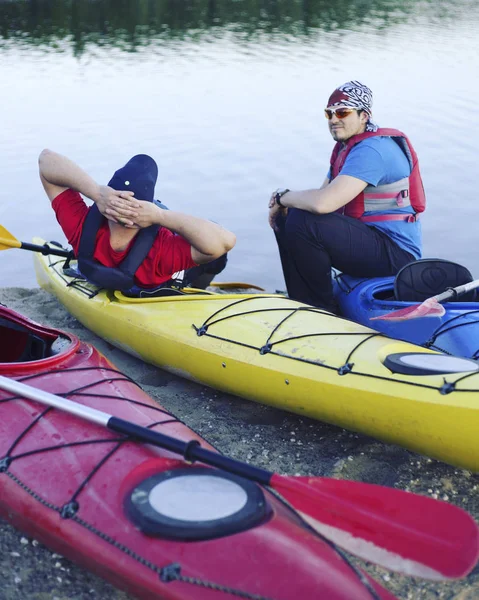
(261, 435)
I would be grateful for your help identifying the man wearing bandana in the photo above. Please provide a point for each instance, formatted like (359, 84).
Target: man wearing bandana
(363, 220)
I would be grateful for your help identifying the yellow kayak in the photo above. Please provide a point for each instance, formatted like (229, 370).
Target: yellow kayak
(289, 355)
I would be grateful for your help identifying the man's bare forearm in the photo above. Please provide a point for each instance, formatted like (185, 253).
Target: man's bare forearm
(61, 171)
(328, 198)
(208, 238)
(309, 200)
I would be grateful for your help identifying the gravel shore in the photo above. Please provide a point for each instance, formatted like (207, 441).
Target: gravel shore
(264, 436)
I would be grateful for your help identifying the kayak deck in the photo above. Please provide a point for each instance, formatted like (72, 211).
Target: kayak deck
(69, 483)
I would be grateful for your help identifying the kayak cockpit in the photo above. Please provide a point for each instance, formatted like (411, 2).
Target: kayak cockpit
(24, 341)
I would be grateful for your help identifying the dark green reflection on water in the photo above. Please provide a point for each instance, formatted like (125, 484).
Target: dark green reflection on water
(129, 24)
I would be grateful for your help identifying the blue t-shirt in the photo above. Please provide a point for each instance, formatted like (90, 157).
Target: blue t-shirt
(379, 160)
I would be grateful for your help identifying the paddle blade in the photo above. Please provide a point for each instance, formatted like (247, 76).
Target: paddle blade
(7, 240)
(397, 530)
(429, 308)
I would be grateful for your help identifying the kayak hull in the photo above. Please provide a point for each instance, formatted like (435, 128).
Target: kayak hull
(66, 483)
(285, 354)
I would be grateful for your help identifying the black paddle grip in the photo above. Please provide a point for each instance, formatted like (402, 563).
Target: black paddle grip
(190, 451)
(45, 250)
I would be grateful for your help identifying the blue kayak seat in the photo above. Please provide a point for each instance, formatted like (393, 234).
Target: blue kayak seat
(427, 277)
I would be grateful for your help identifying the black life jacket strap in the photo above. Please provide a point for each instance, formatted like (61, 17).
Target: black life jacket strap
(90, 228)
(121, 277)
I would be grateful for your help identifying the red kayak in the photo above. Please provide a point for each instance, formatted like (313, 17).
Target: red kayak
(149, 523)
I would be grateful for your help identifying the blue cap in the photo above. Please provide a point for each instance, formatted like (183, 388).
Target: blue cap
(139, 175)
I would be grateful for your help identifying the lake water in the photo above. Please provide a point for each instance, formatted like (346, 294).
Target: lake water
(228, 97)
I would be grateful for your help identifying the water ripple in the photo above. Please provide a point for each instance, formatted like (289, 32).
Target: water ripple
(230, 106)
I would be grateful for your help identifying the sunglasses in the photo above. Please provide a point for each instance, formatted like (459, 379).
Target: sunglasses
(341, 113)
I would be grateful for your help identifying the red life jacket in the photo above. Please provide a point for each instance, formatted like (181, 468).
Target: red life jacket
(408, 191)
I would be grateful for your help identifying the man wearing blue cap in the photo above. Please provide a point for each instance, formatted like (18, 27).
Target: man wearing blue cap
(363, 220)
(127, 240)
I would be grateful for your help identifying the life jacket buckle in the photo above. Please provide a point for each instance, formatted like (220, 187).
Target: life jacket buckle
(400, 197)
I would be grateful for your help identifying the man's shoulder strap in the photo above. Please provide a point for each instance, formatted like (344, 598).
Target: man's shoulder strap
(91, 225)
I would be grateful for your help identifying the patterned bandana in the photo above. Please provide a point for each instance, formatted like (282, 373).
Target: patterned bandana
(355, 95)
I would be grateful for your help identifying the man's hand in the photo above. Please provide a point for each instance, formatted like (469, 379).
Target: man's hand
(117, 206)
(146, 214)
(275, 212)
(272, 201)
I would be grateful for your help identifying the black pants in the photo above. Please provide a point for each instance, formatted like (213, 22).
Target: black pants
(197, 277)
(310, 244)
(202, 275)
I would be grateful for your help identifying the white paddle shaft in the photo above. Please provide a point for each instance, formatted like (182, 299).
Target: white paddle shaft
(457, 291)
(74, 408)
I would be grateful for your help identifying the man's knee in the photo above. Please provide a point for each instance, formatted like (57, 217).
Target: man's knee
(216, 266)
(202, 275)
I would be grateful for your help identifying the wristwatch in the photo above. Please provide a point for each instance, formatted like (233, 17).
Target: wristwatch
(278, 194)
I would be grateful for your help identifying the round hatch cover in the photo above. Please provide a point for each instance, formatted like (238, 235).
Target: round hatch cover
(422, 363)
(195, 503)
